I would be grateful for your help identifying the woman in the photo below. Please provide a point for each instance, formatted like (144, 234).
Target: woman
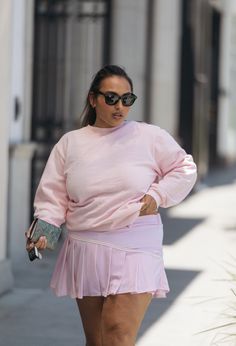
(106, 181)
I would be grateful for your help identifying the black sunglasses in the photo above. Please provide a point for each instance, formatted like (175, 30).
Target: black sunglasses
(112, 98)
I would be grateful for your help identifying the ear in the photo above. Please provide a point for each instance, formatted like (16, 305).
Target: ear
(92, 100)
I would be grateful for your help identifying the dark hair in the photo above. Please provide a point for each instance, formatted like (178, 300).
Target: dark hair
(88, 115)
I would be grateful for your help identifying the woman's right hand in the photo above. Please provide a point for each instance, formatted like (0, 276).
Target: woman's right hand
(41, 244)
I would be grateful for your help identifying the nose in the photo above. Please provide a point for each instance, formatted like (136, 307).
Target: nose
(118, 105)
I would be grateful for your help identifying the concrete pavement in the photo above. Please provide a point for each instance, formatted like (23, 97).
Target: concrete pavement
(199, 241)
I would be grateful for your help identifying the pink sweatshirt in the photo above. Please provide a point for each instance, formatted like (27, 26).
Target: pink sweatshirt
(95, 177)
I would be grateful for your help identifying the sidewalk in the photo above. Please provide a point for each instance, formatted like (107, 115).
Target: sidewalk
(200, 236)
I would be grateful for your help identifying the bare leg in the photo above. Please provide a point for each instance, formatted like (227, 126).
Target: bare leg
(122, 315)
(90, 311)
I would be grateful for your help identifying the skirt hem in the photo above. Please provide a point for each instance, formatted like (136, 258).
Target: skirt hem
(157, 293)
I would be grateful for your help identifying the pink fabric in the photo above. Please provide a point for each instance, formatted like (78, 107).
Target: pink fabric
(95, 177)
(124, 260)
(93, 181)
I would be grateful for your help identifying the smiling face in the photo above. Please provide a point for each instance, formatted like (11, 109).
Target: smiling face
(110, 115)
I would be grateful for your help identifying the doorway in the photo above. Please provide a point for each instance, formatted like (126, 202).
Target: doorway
(71, 42)
(213, 121)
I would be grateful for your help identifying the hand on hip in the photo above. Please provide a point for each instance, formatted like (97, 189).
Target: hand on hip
(149, 207)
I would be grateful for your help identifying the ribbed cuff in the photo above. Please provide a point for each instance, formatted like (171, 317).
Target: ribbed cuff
(155, 195)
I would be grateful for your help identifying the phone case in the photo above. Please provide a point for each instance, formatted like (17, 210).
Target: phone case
(34, 253)
(40, 228)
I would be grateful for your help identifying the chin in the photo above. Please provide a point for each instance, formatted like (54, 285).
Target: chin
(116, 120)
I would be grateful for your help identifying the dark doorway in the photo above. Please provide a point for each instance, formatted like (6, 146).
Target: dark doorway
(213, 121)
(71, 42)
(186, 110)
(195, 82)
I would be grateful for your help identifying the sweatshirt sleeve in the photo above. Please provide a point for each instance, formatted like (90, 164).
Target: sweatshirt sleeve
(176, 171)
(51, 199)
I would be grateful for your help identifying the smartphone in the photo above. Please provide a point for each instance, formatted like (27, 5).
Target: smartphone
(34, 253)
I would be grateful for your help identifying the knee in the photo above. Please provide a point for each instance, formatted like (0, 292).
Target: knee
(117, 333)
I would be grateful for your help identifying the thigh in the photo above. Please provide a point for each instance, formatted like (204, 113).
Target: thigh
(90, 309)
(125, 312)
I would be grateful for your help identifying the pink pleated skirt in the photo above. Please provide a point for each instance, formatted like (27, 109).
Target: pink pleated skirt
(124, 260)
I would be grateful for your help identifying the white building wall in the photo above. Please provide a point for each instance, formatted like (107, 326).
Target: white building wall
(232, 85)
(21, 149)
(17, 85)
(128, 46)
(166, 64)
(28, 69)
(5, 85)
(22, 68)
(226, 144)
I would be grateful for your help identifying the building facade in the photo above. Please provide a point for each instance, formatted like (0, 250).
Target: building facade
(180, 55)
(5, 75)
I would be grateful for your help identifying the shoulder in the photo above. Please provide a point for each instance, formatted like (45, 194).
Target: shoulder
(157, 135)
(71, 136)
(66, 140)
(151, 129)
(146, 126)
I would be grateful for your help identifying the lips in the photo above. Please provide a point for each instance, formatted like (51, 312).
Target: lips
(117, 115)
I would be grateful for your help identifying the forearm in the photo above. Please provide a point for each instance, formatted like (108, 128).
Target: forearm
(176, 184)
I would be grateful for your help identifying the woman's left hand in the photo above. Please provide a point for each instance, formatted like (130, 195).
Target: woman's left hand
(149, 207)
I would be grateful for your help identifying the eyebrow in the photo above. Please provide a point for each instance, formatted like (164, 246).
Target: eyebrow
(114, 92)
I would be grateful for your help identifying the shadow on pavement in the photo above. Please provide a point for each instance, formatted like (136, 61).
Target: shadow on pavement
(36, 274)
(176, 228)
(221, 176)
(178, 281)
